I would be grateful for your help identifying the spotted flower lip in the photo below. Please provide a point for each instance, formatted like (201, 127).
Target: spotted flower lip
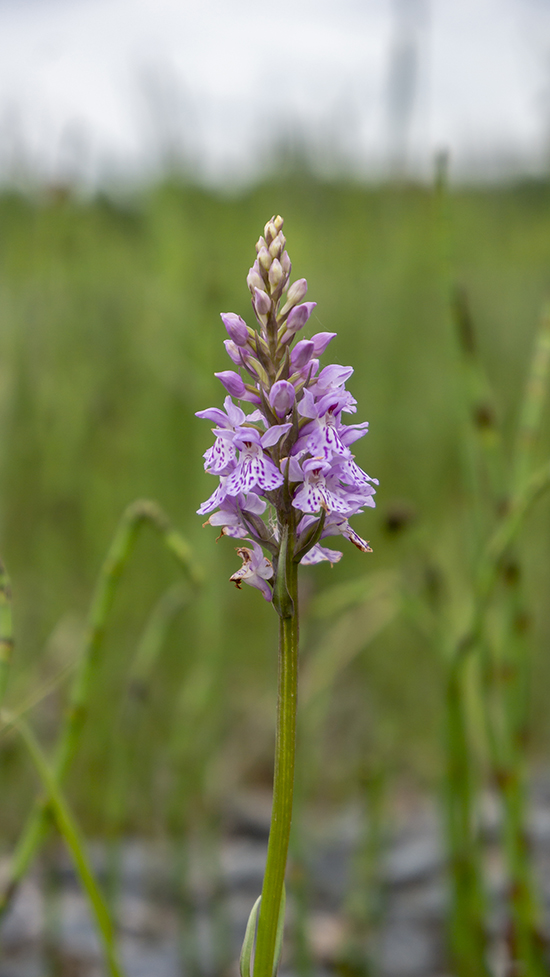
(218, 496)
(286, 453)
(255, 467)
(220, 458)
(319, 491)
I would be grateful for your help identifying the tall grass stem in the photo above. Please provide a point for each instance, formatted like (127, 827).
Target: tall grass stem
(6, 630)
(70, 832)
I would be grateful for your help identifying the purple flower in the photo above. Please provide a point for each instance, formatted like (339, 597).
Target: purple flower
(216, 499)
(232, 513)
(232, 382)
(301, 354)
(220, 458)
(255, 467)
(281, 397)
(235, 385)
(320, 490)
(262, 302)
(236, 327)
(255, 571)
(232, 418)
(297, 319)
(233, 351)
(295, 294)
(335, 525)
(294, 447)
(320, 342)
(318, 554)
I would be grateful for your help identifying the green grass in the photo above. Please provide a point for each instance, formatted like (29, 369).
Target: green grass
(109, 337)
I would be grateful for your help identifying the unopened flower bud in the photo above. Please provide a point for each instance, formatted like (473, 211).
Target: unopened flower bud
(233, 351)
(265, 258)
(237, 328)
(278, 221)
(286, 263)
(295, 294)
(270, 232)
(320, 341)
(260, 243)
(277, 246)
(262, 302)
(276, 273)
(232, 383)
(281, 397)
(297, 319)
(302, 353)
(254, 278)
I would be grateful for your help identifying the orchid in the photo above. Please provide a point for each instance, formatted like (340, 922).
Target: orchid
(287, 479)
(293, 450)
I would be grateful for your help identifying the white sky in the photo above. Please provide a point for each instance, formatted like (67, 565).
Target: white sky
(92, 86)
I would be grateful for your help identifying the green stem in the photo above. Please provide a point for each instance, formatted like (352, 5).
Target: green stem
(6, 629)
(467, 915)
(285, 748)
(69, 830)
(468, 896)
(509, 682)
(133, 518)
(533, 402)
(491, 561)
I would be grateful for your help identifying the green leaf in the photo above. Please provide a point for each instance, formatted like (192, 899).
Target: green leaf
(248, 942)
(280, 933)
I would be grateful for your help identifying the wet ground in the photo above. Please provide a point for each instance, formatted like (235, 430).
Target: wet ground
(182, 913)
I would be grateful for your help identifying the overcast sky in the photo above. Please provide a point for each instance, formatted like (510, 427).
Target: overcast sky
(91, 87)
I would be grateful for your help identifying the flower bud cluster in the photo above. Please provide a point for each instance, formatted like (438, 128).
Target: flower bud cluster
(291, 453)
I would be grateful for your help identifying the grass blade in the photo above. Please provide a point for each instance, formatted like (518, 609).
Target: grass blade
(135, 516)
(248, 942)
(69, 830)
(533, 403)
(6, 629)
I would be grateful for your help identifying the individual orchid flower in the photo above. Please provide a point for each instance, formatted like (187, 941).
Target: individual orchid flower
(255, 571)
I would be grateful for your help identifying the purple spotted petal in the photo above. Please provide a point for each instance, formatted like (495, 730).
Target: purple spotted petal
(219, 457)
(319, 553)
(215, 499)
(308, 498)
(268, 477)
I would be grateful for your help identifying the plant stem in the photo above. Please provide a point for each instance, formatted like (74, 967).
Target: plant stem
(71, 833)
(508, 683)
(283, 782)
(6, 629)
(467, 916)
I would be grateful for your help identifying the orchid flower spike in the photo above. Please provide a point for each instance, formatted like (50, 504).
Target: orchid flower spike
(286, 468)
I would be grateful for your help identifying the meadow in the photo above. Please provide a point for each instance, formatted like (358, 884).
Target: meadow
(109, 338)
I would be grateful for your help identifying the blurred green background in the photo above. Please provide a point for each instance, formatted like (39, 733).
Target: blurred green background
(109, 338)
